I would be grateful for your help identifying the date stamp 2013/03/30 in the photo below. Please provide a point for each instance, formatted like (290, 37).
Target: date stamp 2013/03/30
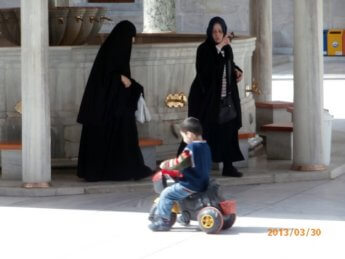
(294, 232)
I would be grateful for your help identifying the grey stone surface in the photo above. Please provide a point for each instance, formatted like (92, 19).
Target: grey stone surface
(11, 83)
(244, 147)
(10, 128)
(72, 133)
(71, 149)
(3, 107)
(11, 164)
(57, 140)
(279, 145)
(263, 117)
(150, 157)
(282, 23)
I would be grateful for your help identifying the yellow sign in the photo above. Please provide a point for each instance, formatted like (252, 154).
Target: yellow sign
(178, 100)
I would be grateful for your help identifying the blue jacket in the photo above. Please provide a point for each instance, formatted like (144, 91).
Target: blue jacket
(196, 177)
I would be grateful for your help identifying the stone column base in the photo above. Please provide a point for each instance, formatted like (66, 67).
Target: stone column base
(309, 167)
(36, 185)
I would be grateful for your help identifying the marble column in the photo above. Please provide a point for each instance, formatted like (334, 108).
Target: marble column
(159, 16)
(308, 86)
(35, 97)
(261, 28)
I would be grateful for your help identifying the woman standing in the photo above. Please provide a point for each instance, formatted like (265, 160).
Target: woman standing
(109, 148)
(214, 97)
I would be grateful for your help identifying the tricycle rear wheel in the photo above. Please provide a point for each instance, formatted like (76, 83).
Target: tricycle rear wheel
(210, 220)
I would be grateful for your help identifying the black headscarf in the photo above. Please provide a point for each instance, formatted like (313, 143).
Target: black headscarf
(116, 50)
(212, 22)
(104, 83)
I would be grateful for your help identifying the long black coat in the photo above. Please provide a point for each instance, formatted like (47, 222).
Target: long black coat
(109, 146)
(204, 101)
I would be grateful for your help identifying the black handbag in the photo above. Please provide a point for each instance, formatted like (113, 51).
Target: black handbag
(227, 110)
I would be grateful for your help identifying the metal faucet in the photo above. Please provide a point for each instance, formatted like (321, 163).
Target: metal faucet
(255, 89)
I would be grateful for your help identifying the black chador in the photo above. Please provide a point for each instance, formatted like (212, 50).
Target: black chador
(109, 148)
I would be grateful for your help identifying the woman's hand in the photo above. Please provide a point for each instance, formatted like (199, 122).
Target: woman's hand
(126, 81)
(225, 41)
(239, 75)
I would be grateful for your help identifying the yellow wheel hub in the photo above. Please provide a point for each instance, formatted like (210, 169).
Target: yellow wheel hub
(207, 221)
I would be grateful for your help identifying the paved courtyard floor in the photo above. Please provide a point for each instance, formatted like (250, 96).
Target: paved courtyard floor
(282, 220)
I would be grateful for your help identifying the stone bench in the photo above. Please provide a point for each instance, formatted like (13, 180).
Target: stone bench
(278, 140)
(11, 157)
(148, 148)
(272, 112)
(11, 160)
(244, 146)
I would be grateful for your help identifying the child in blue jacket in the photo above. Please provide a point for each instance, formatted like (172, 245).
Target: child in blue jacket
(194, 162)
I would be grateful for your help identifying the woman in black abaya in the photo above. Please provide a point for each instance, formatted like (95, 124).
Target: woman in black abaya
(216, 79)
(109, 146)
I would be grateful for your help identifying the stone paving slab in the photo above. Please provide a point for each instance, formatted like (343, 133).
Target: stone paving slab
(70, 185)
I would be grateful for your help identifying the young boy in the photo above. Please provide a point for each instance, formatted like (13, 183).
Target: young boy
(195, 163)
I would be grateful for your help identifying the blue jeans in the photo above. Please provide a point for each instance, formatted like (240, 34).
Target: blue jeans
(168, 196)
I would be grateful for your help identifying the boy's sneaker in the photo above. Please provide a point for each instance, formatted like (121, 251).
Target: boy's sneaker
(160, 225)
(183, 219)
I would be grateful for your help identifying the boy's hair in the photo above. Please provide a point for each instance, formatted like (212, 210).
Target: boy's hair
(191, 124)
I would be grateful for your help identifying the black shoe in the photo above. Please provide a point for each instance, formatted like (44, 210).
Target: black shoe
(231, 172)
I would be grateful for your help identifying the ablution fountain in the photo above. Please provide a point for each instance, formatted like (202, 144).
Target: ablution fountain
(163, 62)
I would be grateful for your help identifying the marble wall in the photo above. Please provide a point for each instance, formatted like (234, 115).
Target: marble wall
(118, 12)
(159, 16)
(193, 16)
(161, 68)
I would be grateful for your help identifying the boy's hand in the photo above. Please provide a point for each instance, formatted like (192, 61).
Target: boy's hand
(163, 165)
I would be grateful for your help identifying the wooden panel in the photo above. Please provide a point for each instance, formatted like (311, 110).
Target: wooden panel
(143, 142)
(245, 135)
(10, 146)
(282, 127)
(273, 105)
(149, 142)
